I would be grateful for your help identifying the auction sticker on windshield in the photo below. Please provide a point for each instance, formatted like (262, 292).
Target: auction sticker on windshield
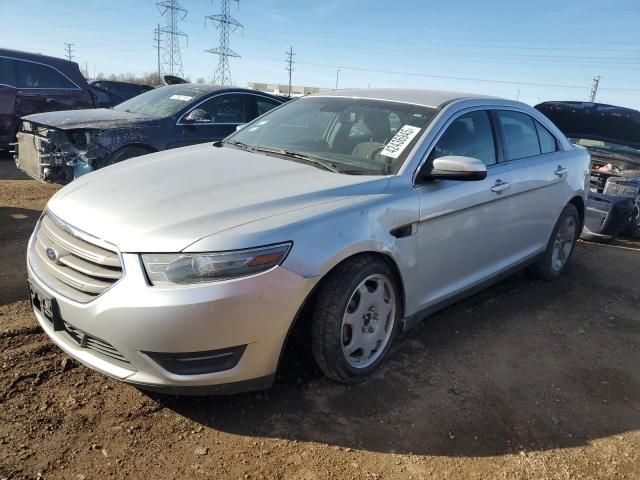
(182, 98)
(400, 141)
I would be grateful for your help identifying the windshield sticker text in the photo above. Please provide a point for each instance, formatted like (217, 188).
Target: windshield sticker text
(182, 98)
(400, 140)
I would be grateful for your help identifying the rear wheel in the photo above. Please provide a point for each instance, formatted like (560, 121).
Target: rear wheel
(355, 319)
(633, 227)
(560, 247)
(123, 154)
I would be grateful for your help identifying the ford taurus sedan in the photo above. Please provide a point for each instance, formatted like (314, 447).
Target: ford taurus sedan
(353, 213)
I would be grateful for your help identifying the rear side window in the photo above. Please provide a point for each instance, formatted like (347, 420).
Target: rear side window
(36, 75)
(264, 105)
(520, 135)
(7, 76)
(548, 142)
(469, 135)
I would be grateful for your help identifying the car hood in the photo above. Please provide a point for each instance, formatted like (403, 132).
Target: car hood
(97, 118)
(595, 121)
(166, 201)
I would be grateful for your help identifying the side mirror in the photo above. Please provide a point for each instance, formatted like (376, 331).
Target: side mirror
(453, 167)
(197, 115)
(241, 126)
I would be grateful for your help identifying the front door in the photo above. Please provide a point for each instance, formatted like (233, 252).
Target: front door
(462, 223)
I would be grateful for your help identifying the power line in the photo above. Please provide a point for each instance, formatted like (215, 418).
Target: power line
(226, 24)
(171, 57)
(69, 50)
(290, 63)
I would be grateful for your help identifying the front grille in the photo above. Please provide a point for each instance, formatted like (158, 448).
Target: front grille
(29, 146)
(97, 345)
(73, 266)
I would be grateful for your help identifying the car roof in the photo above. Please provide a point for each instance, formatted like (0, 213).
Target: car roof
(208, 88)
(35, 57)
(427, 98)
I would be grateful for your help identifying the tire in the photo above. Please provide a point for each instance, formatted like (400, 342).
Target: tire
(633, 227)
(123, 154)
(549, 267)
(358, 303)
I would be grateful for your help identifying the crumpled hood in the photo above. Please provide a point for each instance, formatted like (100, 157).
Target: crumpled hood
(166, 201)
(97, 118)
(595, 121)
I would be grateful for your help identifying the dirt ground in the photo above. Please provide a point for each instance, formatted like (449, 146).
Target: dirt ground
(526, 380)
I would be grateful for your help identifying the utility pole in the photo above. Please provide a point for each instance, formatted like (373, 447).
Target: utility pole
(171, 57)
(518, 95)
(69, 49)
(594, 88)
(290, 63)
(337, 77)
(226, 24)
(156, 38)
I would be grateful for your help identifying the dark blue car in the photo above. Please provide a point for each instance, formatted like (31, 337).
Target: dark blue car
(60, 146)
(612, 136)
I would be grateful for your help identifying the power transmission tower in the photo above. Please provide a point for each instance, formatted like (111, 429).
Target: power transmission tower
(171, 58)
(69, 49)
(594, 88)
(156, 39)
(290, 63)
(226, 24)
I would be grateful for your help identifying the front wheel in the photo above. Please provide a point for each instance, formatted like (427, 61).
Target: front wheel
(356, 317)
(560, 246)
(124, 153)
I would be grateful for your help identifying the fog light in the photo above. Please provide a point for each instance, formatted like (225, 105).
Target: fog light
(198, 363)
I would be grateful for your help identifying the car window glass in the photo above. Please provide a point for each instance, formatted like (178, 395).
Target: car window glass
(469, 135)
(162, 101)
(7, 71)
(520, 136)
(264, 104)
(226, 108)
(548, 142)
(35, 75)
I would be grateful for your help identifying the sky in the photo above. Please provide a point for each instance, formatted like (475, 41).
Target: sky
(533, 51)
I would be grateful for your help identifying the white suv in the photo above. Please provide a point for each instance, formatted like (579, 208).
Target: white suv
(358, 211)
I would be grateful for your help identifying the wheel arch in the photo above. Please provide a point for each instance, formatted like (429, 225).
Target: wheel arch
(578, 202)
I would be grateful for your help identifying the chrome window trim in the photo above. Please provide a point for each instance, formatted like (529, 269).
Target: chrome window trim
(219, 95)
(44, 65)
(457, 114)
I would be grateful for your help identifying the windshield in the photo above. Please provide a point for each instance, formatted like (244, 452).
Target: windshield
(161, 102)
(358, 136)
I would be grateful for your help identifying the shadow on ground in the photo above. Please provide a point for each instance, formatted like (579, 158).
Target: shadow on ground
(525, 365)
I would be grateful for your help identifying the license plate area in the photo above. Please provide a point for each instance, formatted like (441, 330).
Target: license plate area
(46, 305)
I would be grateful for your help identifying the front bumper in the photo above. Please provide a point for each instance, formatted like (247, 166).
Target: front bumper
(134, 317)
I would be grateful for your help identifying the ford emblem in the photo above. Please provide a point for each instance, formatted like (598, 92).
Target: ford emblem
(51, 254)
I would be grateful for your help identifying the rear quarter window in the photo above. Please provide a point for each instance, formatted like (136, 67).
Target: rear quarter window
(548, 143)
(7, 71)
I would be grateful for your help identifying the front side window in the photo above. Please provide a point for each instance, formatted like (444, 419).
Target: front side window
(264, 104)
(357, 136)
(227, 108)
(469, 135)
(162, 102)
(520, 135)
(35, 75)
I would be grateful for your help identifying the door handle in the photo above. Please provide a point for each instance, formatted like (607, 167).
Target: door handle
(500, 186)
(561, 171)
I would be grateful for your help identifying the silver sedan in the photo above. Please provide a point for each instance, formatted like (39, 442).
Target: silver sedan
(353, 214)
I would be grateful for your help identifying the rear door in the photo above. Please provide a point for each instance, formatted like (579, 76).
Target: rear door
(461, 233)
(536, 170)
(8, 124)
(42, 88)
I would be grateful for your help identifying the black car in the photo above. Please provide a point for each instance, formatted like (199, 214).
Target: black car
(60, 146)
(612, 136)
(109, 93)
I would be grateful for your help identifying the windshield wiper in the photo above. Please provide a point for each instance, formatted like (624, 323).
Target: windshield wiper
(235, 143)
(327, 165)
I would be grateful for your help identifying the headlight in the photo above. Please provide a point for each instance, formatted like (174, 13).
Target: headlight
(166, 269)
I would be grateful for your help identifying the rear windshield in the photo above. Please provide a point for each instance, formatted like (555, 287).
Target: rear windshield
(161, 102)
(359, 136)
